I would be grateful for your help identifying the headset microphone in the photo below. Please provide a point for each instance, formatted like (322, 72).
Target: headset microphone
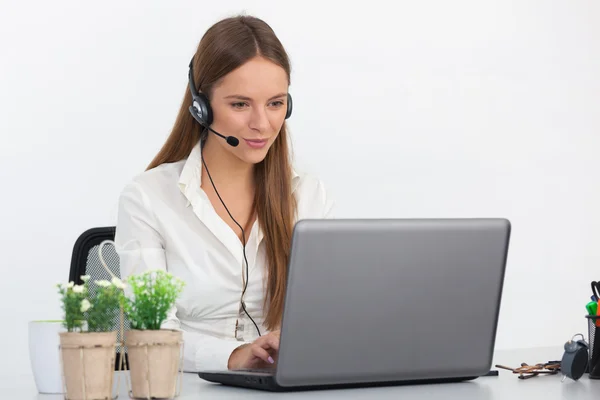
(231, 140)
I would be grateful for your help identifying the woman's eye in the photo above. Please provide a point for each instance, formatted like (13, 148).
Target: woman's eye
(238, 105)
(277, 103)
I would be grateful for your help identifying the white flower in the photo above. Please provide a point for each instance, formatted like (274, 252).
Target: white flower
(118, 283)
(103, 283)
(77, 289)
(85, 278)
(70, 285)
(85, 305)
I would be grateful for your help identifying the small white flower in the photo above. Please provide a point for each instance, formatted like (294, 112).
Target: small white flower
(85, 278)
(85, 305)
(77, 289)
(103, 283)
(70, 284)
(118, 283)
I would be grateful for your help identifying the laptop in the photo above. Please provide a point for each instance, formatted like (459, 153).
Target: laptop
(373, 302)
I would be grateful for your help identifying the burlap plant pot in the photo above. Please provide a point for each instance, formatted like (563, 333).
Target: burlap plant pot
(154, 358)
(88, 362)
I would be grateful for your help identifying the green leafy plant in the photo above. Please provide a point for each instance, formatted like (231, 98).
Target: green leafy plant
(73, 305)
(104, 305)
(91, 312)
(153, 294)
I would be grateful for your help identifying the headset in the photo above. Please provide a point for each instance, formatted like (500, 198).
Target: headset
(202, 113)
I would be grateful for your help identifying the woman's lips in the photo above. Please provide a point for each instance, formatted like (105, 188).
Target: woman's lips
(256, 143)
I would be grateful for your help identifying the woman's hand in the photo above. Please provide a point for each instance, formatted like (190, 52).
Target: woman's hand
(262, 353)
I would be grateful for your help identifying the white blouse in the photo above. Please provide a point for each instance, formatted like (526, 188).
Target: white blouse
(171, 218)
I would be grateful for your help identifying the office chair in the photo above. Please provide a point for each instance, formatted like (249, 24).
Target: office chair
(85, 261)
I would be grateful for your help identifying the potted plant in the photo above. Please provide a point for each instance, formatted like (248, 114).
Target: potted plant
(154, 354)
(88, 346)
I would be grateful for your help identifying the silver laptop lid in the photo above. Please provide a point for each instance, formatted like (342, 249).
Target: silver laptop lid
(387, 300)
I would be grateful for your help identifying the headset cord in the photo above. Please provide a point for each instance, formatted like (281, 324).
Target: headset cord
(243, 242)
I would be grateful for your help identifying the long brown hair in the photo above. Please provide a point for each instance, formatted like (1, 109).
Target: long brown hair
(224, 47)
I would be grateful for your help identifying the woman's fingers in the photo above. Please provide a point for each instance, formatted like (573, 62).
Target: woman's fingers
(269, 342)
(261, 347)
(259, 352)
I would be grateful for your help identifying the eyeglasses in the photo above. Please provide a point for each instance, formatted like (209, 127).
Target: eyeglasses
(527, 371)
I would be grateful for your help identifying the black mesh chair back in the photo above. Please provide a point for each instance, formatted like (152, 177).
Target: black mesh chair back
(85, 261)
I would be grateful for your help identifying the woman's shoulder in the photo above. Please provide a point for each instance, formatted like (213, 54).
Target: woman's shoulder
(156, 180)
(313, 196)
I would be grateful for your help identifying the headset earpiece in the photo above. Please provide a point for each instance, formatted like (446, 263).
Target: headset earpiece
(202, 110)
(289, 106)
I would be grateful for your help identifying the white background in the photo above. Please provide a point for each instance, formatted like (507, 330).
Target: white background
(416, 109)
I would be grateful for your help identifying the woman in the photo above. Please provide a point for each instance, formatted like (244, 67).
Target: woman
(220, 215)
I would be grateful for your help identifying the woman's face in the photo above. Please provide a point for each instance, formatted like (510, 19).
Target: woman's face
(250, 103)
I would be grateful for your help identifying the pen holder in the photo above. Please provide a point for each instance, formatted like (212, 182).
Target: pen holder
(594, 343)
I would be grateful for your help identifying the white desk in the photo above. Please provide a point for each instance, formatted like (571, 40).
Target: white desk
(504, 386)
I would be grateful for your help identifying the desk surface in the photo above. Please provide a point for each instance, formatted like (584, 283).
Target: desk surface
(504, 386)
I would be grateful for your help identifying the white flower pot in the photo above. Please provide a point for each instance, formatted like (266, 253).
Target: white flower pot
(44, 355)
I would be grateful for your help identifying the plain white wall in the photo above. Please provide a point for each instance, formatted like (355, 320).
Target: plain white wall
(416, 109)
